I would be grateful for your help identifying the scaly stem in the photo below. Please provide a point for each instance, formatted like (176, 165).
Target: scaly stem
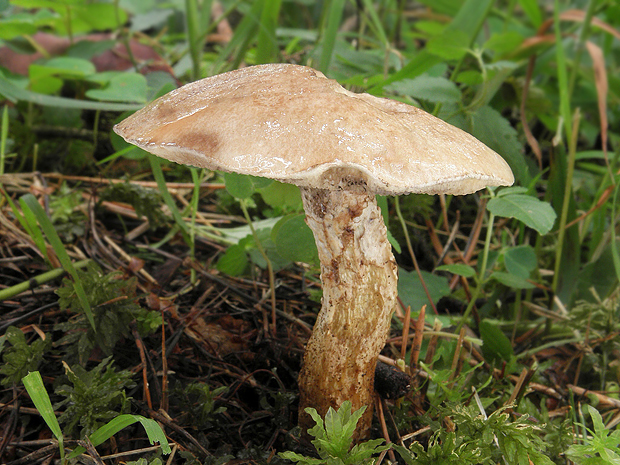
(359, 278)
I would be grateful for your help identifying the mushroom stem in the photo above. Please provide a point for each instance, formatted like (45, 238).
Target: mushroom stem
(359, 278)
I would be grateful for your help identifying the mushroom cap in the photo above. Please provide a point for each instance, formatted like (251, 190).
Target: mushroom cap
(292, 124)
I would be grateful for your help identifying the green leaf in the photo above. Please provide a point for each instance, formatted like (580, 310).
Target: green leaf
(504, 42)
(597, 420)
(511, 190)
(87, 49)
(470, 77)
(269, 247)
(37, 3)
(459, 269)
(469, 19)
(240, 186)
(267, 46)
(452, 44)
(261, 182)
(243, 186)
(92, 397)
(333, 438)
(419, 64)
(294, 240)
(11, 28)
(37, 392)
(495, 343)
(488, 125)
(89, 16)
(124, 87)
(497, 74)
(335, 9)
(281, 195)
(302, 459)
(532, 10)
(412, 293)
(14, 94)
(142, 21)
(511, 280)
(48, 77)
(600, 446)
(153, 431)
(68, 67)
(446, 7)
(43, 82)
(234, 262)
(520, 261)
(429, 88)
(159, 83)
(534, 213)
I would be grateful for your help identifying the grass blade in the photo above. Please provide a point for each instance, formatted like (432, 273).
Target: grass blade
(267, 48)
(469, 20)
(568, 195)
(244, 33)
(29, 223)
(371, 11)
(562, 73)
(153, 431)
(328, 41)
(163, 189)
(193, 36)
(41, 400)
(196, 33)
(31, 203)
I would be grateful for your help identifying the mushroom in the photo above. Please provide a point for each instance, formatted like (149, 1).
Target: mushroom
(292, 124)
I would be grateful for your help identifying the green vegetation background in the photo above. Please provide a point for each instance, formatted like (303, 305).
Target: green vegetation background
(537, 81)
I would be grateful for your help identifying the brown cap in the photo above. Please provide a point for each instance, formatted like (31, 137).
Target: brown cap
(291, 123)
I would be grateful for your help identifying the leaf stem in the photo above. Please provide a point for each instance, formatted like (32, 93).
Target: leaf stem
(38, 280)
(259, 246)
(481, 273)
(194, 211)
(401, 219)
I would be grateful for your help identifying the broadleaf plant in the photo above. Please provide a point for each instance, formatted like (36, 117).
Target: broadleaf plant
(533, 212)
(333, 439)
(602, 447)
